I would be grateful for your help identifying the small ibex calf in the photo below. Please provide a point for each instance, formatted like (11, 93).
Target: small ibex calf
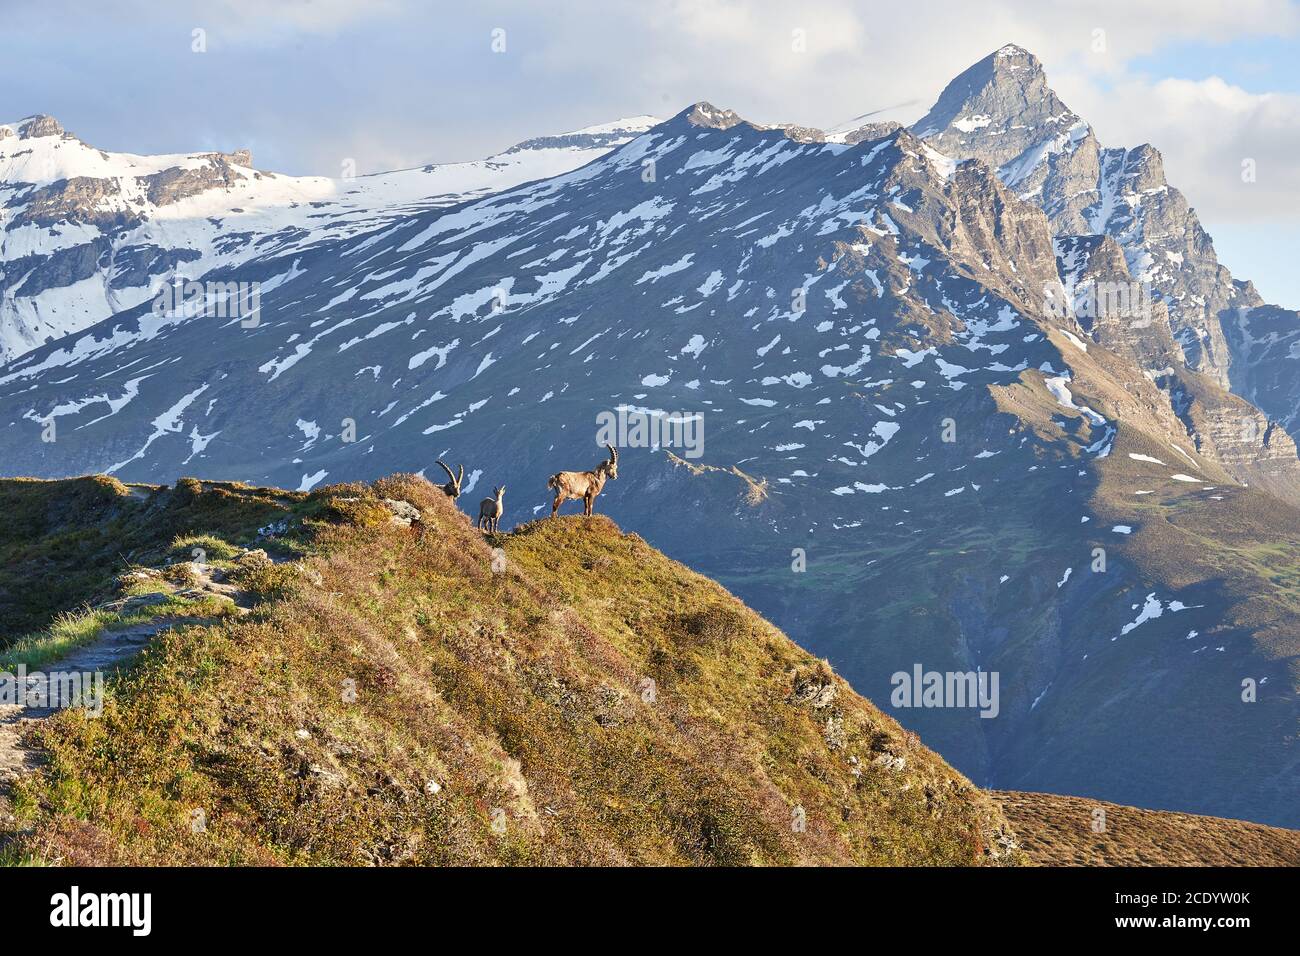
(452, 488)
(490, 511)
(583, 484)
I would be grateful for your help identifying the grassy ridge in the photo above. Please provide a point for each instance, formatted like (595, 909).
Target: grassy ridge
(63, 542)
(1073, 831)
(408, 695)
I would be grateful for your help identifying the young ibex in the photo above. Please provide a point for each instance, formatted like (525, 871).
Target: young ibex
(452, 488)
(583, 484)
(490, 511)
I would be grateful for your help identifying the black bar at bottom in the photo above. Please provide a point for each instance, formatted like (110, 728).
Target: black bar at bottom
(330, 906)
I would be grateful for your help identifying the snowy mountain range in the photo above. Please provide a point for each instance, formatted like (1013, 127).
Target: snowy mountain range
(85, 233)
(930, 434)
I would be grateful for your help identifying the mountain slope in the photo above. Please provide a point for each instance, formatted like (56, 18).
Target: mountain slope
(591, 702)
(85, 233)
(407, 694)
(1002, 111)
(1059, 831)
(907, 458)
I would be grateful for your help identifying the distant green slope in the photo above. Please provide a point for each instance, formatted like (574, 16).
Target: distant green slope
(1072, 831)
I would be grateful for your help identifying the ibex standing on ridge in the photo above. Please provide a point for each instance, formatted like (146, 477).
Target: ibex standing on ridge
(490, 511)
(452, 488)
(583, 484)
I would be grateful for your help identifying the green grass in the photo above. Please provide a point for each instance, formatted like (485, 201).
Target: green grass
(77, 628)
(70, 630)
(310, 730)
(63, 543)
(210, 547)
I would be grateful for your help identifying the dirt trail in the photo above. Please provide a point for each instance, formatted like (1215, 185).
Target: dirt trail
(107, 653)
(104, 654)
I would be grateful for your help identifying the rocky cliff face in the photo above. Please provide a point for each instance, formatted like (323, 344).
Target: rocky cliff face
(1002, 111)
(1111, 308)
(1265, 343)
(1099, 292)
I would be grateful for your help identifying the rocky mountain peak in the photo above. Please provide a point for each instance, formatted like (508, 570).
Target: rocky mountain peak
(1002, 111)
(996, 109)
(240, 157)
(39, 125)
(710, 116)
(1012, 59)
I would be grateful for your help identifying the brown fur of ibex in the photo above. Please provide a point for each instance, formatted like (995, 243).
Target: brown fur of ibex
(585, 485)
(452, 488)
(490, 511)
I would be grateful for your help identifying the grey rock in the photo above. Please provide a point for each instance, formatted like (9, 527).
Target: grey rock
(1002, 111)
(40, 125)
(403, 512)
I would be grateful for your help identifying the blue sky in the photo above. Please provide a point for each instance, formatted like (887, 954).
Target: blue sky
(1256, 64)
(1264, 250)
(307, 84)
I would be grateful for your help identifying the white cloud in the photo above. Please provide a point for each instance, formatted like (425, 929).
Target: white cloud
(392, 83)
(1206, 130)
(274, 22)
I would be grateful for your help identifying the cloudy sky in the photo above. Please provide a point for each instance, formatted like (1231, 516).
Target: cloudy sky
(307, 84)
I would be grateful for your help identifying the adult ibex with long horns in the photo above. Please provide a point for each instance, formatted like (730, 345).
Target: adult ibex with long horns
(452, 488)
(583, 484)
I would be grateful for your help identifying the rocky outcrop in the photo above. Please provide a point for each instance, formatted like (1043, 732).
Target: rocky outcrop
(1002, 111)
(32, 275)
(1009, 236)
(1115, 311)
(1253, 449)
(173, 185)
(135, 266)
(39, 125)
(81, 201)
(710, 117)
(870, 131)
